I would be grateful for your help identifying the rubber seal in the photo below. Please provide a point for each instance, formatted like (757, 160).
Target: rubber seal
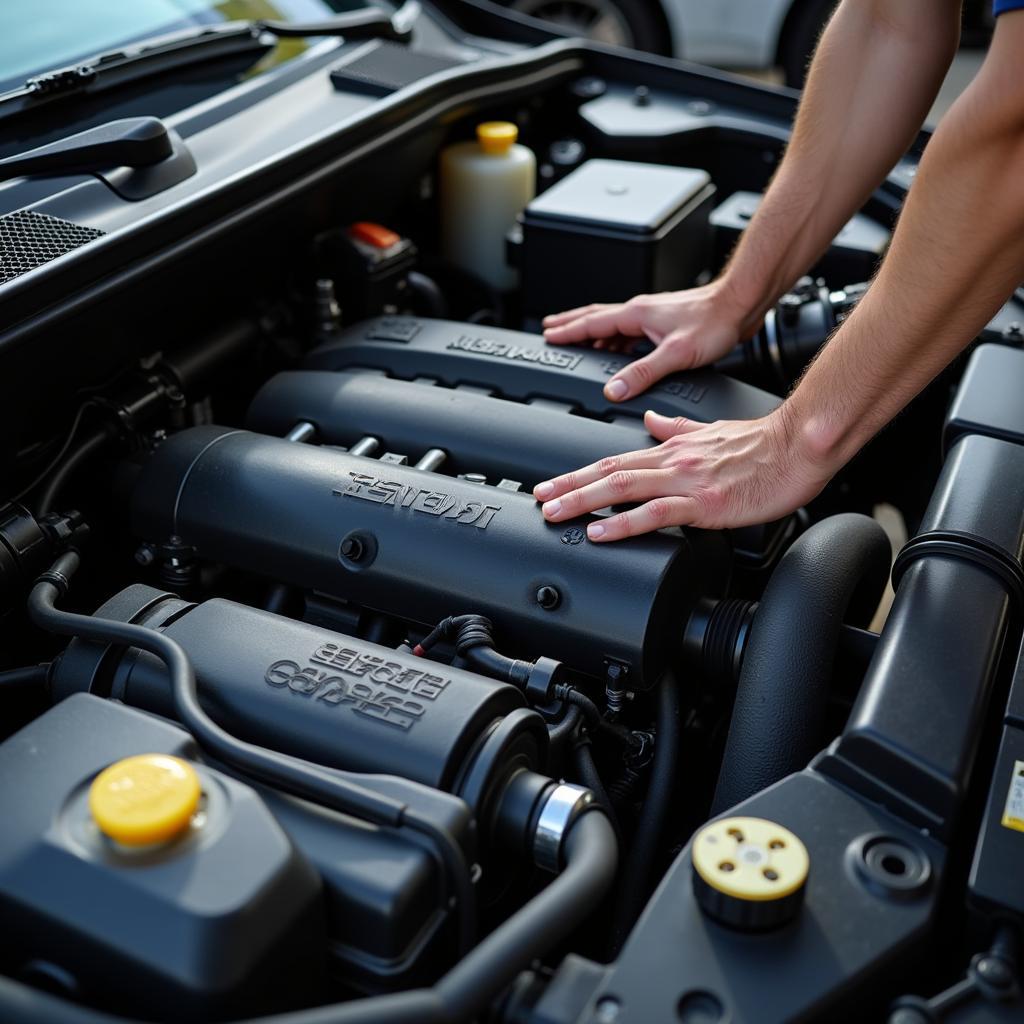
(968, 547)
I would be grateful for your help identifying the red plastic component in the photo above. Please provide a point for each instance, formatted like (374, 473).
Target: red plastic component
(376, 235)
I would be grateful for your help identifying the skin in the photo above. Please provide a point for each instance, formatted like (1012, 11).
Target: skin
(956, 255)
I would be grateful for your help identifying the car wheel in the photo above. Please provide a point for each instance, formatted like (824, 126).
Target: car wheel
(631, 23)
(800, 35)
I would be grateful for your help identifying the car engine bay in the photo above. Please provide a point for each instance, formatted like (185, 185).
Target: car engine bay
(418, 754)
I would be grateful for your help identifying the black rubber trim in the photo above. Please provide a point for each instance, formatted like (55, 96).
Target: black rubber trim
(969, 547)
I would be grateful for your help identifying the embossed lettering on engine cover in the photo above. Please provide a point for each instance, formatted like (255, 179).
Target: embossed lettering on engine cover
(506, 350)
(367, 683)
(685, 389)
(419, 499)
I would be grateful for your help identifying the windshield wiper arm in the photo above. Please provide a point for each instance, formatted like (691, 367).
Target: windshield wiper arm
(365, 23)
(136, 156)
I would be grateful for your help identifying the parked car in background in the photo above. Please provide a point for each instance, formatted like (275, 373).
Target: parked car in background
(727, 33)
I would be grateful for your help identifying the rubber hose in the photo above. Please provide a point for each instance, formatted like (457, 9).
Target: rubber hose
(783, 690)
(427, 289)
(591, 858)
(587, 775)
(561, 731)
(67, 469)
(27, 678)
(636, 878)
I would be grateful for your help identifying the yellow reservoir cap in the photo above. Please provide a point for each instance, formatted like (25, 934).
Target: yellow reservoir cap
(145, 799)
(496, 136)
(750, 859)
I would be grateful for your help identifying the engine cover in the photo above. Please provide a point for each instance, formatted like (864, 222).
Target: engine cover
(521, 367)
(420, 546)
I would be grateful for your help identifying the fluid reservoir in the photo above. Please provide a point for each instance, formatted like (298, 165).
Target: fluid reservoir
(485, 184)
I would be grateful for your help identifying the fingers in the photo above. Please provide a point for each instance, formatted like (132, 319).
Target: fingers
(595, 322)
(548, 489)
(664, 427)
(625, 485)
(557, 319)
(641, 374)
(654, 515)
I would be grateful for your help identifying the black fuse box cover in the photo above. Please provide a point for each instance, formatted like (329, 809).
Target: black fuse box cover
(988, 400)
(613, 229)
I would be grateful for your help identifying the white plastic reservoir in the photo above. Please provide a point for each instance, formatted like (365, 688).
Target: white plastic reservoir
(485, 184)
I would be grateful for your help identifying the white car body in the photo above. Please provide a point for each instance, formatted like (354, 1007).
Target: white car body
(740, 33)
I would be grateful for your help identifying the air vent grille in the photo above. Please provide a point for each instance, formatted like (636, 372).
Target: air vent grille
(29, 239)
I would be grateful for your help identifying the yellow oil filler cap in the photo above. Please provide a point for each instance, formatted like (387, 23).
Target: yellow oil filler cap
(749, 873)
(145, 799)
(496, 136)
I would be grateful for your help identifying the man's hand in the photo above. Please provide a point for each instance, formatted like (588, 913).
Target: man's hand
(689, 328)
(711, 475)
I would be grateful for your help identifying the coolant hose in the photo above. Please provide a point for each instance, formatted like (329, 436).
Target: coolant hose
(782, 695)
(588, 776)
(657, 806)
(591, 858)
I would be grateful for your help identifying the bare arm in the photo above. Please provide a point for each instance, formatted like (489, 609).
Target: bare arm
(956, 256)
(876, 71)
(957, 253)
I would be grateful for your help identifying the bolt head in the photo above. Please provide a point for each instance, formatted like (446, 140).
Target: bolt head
(352, 548)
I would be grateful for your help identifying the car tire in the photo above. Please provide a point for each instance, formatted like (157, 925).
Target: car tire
(637, 24)
(800, 33)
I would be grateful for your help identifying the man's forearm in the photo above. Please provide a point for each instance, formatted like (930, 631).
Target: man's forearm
(874, 76)
(957, 253)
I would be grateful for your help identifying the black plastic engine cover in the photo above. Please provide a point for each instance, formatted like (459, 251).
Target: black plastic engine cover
(521, 366)
(421, 546)
(478, 433)
(327, 698)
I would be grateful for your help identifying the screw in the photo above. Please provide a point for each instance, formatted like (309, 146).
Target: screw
(352, 549)
(548, 598)
(145, 555)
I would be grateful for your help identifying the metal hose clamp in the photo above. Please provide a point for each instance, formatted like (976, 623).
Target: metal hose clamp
(560, 812)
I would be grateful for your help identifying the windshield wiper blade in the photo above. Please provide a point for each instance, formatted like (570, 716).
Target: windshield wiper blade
(192, 46)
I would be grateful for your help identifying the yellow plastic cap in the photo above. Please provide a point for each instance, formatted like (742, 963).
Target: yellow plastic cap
(145, 799)
(496, 136)
(750, 859)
